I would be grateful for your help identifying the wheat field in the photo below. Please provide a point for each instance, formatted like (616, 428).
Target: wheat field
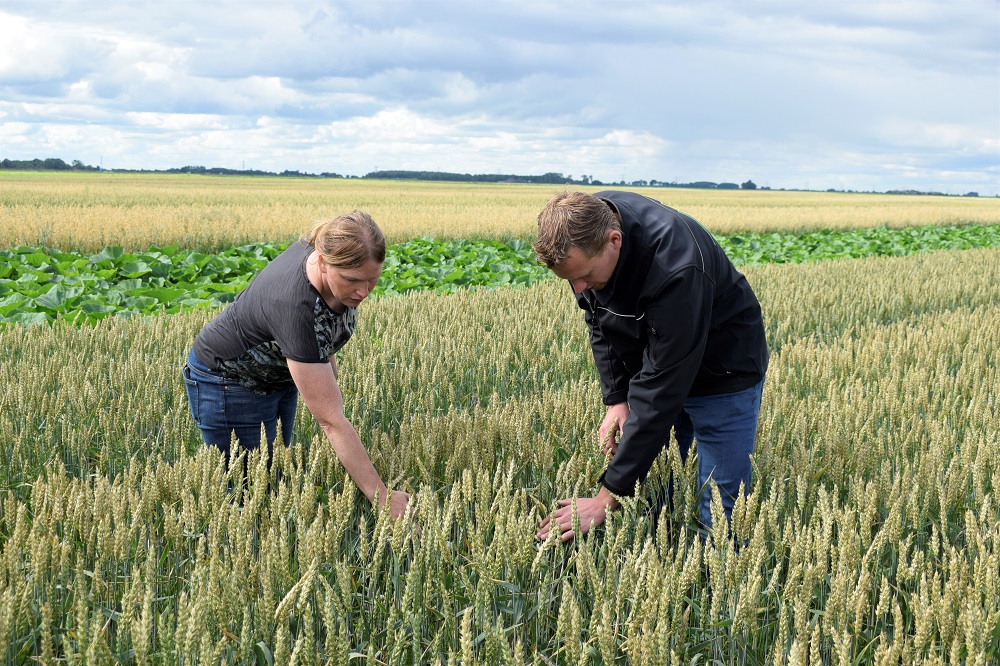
(871, 535)
(87, 211)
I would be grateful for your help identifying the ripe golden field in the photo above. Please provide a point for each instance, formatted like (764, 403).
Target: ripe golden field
(87, 211)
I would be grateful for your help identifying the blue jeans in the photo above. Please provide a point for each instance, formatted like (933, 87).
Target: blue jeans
(221, 407)
(726, 427)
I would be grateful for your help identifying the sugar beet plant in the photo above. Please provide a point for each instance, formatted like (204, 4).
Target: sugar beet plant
(871, 535)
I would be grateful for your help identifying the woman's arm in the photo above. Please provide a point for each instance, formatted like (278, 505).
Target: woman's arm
(317, 383)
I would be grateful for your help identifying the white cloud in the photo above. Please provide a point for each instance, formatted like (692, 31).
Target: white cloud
(957, 137)
(177, 121)
(392, 126)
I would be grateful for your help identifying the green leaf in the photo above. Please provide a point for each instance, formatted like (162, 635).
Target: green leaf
(91, 307)
(11, 302)
(57, 297)
(263, 654)
(142, 304)
(162, 295)
(109, 252)
(135, 269)
(20, 317)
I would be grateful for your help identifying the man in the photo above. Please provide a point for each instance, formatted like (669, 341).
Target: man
(678, 339)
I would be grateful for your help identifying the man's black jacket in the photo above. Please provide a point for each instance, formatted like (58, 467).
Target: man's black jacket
(676, 319)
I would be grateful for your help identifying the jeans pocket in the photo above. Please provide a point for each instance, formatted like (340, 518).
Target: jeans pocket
(193, 394)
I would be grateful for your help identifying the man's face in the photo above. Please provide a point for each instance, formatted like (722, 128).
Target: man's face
(585, 272)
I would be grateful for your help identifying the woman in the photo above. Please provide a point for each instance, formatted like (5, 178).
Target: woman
(279, 338)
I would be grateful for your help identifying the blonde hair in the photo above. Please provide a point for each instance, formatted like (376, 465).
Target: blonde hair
(348, 241)
(573, 219)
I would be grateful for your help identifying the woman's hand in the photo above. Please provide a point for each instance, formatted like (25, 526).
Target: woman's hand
(398, 501)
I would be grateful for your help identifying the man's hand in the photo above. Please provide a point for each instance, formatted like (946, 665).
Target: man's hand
(592, 512)
(611, 427)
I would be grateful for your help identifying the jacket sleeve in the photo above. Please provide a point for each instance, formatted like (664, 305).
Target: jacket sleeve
(614, 376)
(678, 321)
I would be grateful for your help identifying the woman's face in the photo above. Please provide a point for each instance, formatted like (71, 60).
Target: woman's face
(350, 286)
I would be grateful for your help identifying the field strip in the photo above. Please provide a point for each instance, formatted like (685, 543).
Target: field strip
(89, 211)
(40, 284)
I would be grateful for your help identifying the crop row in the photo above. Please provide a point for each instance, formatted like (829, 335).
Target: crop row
(872, 534)
(39, 284)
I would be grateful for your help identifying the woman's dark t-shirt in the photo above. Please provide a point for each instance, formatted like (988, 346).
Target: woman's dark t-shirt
(279, 316)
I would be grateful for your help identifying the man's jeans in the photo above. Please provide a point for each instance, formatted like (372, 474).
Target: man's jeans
(726, 427)
(221, 407)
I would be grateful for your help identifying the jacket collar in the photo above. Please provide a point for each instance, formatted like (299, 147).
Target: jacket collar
(626, 282)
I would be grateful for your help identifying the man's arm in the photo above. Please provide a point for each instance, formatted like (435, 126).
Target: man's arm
(678, 328)
(678, 325)
(614, 380)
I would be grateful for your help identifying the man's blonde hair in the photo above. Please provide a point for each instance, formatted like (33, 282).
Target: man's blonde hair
(573, 219)
(348, 240)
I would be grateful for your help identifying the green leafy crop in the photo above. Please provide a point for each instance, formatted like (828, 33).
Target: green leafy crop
(40, 284)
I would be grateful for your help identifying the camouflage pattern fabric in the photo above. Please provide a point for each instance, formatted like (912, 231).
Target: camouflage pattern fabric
(263, 369)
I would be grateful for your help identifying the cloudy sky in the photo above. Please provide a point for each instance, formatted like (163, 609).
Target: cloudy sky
(846, 94)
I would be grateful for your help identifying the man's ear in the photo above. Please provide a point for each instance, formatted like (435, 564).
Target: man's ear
(615, 239)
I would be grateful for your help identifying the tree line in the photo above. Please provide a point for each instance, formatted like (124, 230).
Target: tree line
(551, 178)
(50, 164)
